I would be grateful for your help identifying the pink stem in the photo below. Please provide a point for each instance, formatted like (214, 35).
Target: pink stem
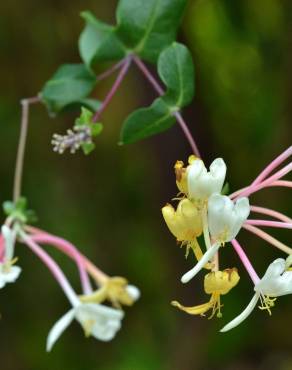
(267, 223)
(245, 261)
(268, 238)
(270, 212)
(266, 183)
(177, 115)
(275, 163)
(113, 90)
(53, 267)
(282, 183)
(70, 250)
(110, 71)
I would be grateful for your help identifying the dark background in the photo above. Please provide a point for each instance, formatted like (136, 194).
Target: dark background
(109, 203)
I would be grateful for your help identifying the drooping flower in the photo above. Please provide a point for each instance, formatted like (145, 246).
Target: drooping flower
(225, 218)
(8, 271)
(276, 282)
(97, 320)
(216, 283)
(202, 183)
(116, 290)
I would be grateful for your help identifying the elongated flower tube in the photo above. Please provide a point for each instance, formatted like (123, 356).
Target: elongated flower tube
(202, 183)
(226, 218)
(216, 283)
(276, 282)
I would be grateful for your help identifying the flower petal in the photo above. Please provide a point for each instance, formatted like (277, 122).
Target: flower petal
(60, 326)
(203, 261)
(12, 275)
(245, 313)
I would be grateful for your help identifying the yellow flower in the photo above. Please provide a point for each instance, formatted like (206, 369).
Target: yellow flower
(216, 283)
(181, 174)
(185, 222)
(116, 290)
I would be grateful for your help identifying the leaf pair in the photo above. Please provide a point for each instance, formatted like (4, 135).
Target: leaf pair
(143, 28)
(175, 68)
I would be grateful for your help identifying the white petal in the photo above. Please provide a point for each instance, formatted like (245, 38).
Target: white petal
(60, 326)
(198, 267)
(12, 275)
(134, 292)
(240, 318)
(105, 321)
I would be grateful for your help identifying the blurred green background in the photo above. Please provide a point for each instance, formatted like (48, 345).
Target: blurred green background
(109, 203)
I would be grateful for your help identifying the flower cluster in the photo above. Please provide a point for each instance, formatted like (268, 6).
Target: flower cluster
(204, 214)
(97, 319)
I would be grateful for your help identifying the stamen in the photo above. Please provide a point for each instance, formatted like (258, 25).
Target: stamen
(268, 223)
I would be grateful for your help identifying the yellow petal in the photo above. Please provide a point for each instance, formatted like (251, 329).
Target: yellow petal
(195, 310)
(221, 281)
(185, 222)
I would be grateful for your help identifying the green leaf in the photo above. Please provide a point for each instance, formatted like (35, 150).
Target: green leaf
(146, 122)
(85, 117)
(87, 148)
(71, 84)
(98, 42)
(176, 69)
(18, 211)
(96, 129)
(148, 26)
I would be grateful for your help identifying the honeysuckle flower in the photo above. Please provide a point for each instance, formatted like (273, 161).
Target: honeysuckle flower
(216, 283)
(225, 218)
(202, 183)
(97, 320)
(8, 271)
(185, 222)
(116, 290)
(276, 282)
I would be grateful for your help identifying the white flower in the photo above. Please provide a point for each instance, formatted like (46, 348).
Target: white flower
(100, 321)
(276, 282)
(8, 271)
(225, 218)
(201, 183)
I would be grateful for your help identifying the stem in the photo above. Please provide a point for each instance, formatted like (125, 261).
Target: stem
(70, 250)
(268, 223)
(268, 238)
(177, 115)
(125, 67)
(245, 261)
(25, 103)
(110, 71)
(275, 163)
(53, 267)
(266, 183)
(270, 212)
